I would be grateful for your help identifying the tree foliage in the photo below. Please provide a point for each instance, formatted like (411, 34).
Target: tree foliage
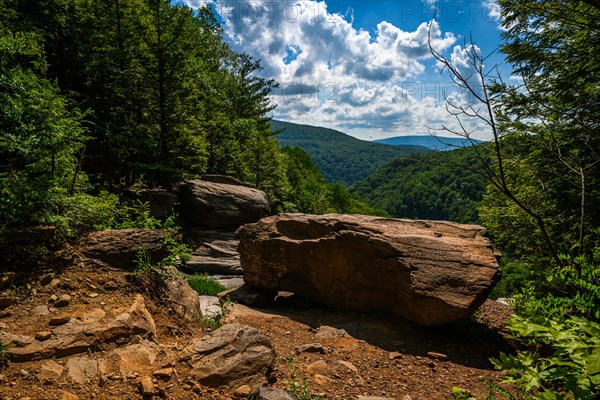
(435, 185)
(307, 190)
(552, 118)
(551, 151)
(41, 135)
(166, 97)
(552, 146)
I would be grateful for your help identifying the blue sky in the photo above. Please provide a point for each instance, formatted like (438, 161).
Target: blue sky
(362, 67)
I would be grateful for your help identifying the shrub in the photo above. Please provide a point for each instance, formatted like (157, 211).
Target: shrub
(27, 202)
(573, 289)
(175, 251)
(461, 394)
(90, 212)
(137, 215)
(571, 370)
(144, 267)
(4, 356)
(516, 275)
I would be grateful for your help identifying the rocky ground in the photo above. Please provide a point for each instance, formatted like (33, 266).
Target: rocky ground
(92, 331)
(381, 356)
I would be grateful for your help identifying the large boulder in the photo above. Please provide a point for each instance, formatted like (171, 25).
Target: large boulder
(431, 272)
(120, 247)
(231, 356)
(211, 204)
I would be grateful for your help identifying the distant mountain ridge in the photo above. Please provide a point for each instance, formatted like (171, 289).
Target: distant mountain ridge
(440, 143)
(340, 157)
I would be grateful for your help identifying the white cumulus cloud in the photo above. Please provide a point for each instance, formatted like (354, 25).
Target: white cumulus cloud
(334, 74)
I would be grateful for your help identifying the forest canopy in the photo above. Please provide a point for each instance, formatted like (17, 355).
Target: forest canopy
(435, 185)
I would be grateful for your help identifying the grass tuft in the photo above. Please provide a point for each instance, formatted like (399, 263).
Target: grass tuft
(205, 285)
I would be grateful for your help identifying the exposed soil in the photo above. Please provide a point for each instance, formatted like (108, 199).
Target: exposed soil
(379, 356)
(390, 355)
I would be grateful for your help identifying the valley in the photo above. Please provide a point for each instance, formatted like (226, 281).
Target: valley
(339, 157)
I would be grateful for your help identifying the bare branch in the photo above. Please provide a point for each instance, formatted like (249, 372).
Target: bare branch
(495, 175)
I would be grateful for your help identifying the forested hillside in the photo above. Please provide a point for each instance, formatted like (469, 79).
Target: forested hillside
(313, 194)
(435, 185)
(341, 158)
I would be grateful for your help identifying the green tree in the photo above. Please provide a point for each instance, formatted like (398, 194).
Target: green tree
(251, 93)
(171, 70)
(434, 185)
(492, 104)
(544, 158)
(341, 158)
(554, 115)
(239, 101)
(113, 88)
(260, 152)
(145, 69)
(40, 135)
(304, 189)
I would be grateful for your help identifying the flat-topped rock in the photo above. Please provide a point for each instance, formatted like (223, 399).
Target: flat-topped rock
(120, 247)
(216, 204)
(431, 272)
